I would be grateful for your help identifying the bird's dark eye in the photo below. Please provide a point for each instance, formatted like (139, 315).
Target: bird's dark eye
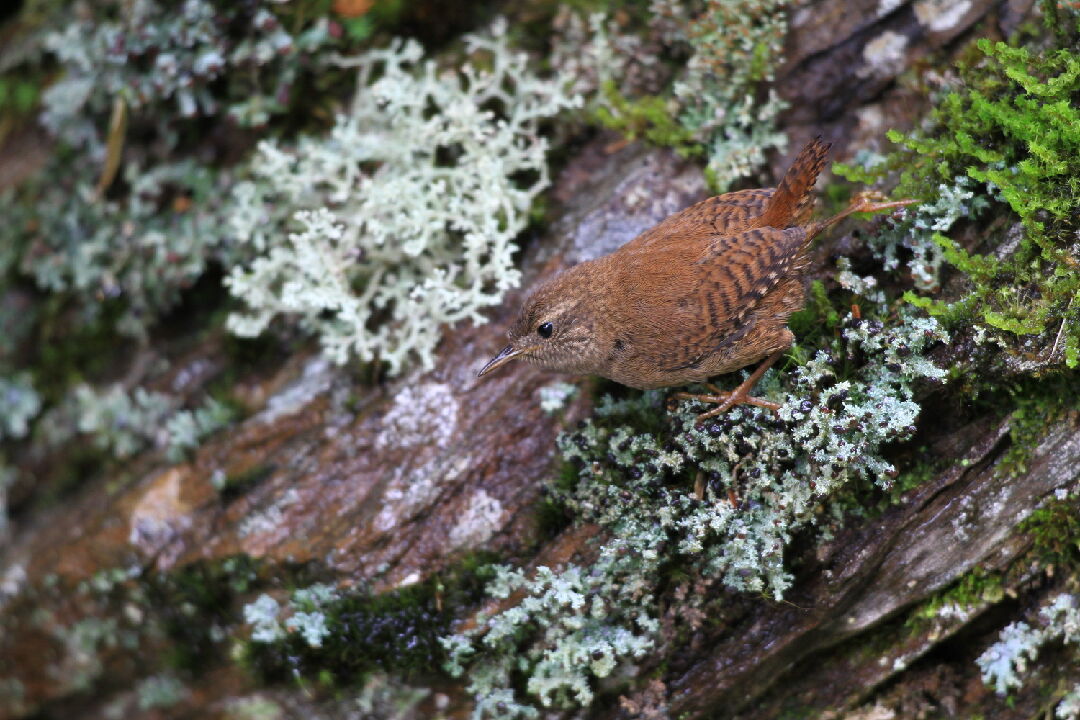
(544, 330)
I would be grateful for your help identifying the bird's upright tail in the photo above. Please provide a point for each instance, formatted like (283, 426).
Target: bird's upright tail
(793, 200)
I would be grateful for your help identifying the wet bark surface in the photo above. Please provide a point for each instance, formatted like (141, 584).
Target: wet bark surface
(386, 484)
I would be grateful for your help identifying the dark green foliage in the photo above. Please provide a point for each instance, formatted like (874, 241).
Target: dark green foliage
(1055, 530)
(1014, 126)
(18, 96)
(651, 117)
(1036, 404)
(194, 600)
(817, 317)
(236, 485)
(396, 631)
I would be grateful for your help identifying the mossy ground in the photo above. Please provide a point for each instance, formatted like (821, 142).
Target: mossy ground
(397, 631)
(1010, 125)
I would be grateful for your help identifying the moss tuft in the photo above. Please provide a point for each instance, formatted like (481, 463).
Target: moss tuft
(335, 637)
(1055, 531)
(1013, 129)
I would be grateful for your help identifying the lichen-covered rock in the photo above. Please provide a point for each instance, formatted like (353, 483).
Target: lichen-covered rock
(379, 486)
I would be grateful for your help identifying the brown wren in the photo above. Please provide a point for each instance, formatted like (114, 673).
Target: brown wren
(707, 291)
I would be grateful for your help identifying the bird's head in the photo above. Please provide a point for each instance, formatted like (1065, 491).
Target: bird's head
(556, 327)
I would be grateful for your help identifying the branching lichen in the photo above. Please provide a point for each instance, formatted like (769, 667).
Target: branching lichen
(403, 219)
(153, 53)
(719, 502)
(19, 403)
(712, 109)
(1005, 662)
(122, 423)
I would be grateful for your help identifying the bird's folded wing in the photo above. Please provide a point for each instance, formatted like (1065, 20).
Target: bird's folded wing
(730, 277)
(721, 215)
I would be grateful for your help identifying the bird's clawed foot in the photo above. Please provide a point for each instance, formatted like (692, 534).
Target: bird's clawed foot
(874, 201)
(725, 401)
(738, 396)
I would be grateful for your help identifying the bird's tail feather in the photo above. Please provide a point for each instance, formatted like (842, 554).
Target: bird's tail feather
(793, 200)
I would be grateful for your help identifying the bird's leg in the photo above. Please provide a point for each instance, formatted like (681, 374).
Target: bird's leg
(738, 396)
(864, 202)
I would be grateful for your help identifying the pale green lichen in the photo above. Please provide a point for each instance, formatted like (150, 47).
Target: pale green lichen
(1069, 707)
(585, 625)
(160, 691)
(403, 219)
(1004, 663)
(262, 615)
(721, 502)
(84, 644)
(19, 404)
(139, 251)
(186, 429)
(915, 235)
(554, 397)
(183, 53)
(304, 613)
(713, 107)
(308, 617)
(736, 48)
(122, 423)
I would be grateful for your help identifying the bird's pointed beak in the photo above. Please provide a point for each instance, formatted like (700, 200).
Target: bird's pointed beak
(505, 355)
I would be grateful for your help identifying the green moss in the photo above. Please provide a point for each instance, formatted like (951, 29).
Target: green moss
(18, 97)
(396, 631)
(197, 602)
(70, 350)
(1015, 129)
(820, 317)
(1037, 404)
(973, 588)
(1055, 531)
(651, 117)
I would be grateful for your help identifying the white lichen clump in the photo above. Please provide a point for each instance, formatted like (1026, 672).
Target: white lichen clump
(402, 220)
(919, 230)
(1006, 661)
(554, 397)
(19, 403)
(155, 53)
(584, 635)
(722, 502)
(737, 45)
(123, 423)
(305, 616)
